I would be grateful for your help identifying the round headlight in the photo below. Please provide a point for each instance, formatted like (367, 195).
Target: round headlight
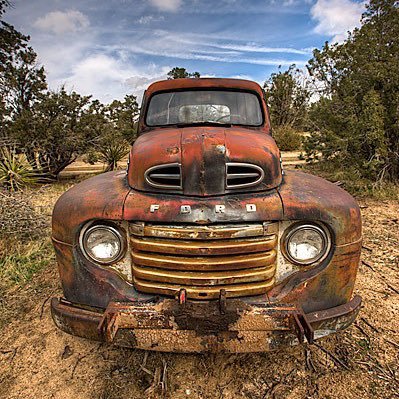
(101, 243)
(306, 244)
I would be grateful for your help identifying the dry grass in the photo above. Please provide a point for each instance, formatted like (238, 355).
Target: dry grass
(39, 361)
(350, 181)
(21, 260)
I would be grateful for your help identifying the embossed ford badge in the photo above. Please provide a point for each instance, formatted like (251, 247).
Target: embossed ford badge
(185, 209)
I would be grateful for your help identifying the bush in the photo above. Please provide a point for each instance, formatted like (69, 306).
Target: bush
(15, 171)
(112, 153)
(18, 216)
(287, 138)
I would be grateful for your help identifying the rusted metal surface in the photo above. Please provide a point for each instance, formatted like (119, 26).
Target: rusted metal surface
(203, 232)
(329, 285)
(199, 326)
(308, 197)
(208, 291)
(203, 153)
(206, 239)
(242, 266)
(100, 197)
(225, 247)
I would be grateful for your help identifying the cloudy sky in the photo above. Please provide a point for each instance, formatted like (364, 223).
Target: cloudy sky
(114, 47)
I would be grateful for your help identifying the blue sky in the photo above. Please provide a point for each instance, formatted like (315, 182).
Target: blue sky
(115, 47)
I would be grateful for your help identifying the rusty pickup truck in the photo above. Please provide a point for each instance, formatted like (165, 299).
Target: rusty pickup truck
(205, 242)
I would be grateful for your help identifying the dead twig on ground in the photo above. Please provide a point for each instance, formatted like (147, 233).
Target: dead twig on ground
(367, 248)
(362, 331)
(393, 288)
(143, 364)
(370, 325)
(392, 342)
(336, 360)
(90, 351)
(308, 360)
(6, 352)
(368, 265)
(43, 305)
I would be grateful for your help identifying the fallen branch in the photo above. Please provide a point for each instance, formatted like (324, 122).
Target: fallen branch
(368, 265)
(362, 331)
(369, 324)
(367, 248)
(392, 342)
(308, 359)
(76, 364)
(43, 305)
(336, 360)
(393, 288)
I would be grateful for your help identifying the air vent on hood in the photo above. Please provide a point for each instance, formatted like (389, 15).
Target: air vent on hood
(240, 175)
(167, 176)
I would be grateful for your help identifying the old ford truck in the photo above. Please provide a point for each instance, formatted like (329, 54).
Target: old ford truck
(205, 242)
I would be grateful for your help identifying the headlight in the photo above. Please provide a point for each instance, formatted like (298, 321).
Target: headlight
(102, 243)
(306, 244)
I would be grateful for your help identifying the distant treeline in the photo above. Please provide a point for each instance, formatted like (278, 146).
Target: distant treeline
(347, 101)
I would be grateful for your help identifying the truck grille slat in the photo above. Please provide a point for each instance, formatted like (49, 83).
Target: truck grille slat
(203, 262)
(240, 259)
(205, 293)
(210, 248)
(204, 278)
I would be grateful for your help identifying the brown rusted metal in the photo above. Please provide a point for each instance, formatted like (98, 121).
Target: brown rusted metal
(201, 326)
(198, 248)
(206, 291)
(207, 238)
(198, 232)
(191, 145)
(205, 263)
(241, 267)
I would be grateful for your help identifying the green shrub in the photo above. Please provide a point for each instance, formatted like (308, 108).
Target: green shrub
(15, 171)
(113, 152)
(287, 138)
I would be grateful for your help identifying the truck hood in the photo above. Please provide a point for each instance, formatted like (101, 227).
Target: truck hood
(210, 161)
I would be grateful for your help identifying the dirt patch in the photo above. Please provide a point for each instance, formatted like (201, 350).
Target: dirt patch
(39, 361)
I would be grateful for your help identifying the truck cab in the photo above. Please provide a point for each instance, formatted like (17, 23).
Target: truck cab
(205, 243)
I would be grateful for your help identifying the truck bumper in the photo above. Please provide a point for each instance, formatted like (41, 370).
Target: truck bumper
(168, 326)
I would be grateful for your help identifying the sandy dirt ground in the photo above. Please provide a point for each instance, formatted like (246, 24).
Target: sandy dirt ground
(39, 361)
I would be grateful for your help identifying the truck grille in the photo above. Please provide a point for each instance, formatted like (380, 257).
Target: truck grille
(241, 259)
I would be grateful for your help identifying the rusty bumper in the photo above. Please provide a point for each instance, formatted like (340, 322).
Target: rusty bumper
(168, 326)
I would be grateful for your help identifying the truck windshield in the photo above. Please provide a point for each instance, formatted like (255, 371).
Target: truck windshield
(204, 106)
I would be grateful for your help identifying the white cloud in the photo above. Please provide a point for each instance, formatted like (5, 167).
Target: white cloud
(147, 19)
(193, 55)
(254, 48)
(60, 22)
(107, 77)
(336, 17)
(167, 5)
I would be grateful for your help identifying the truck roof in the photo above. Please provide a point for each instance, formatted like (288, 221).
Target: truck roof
(197, 83)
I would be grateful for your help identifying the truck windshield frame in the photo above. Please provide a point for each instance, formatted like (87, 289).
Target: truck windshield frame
(204, 106)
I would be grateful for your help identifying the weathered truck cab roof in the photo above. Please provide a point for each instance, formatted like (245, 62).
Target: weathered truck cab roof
(204, 83)
(207, 157)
